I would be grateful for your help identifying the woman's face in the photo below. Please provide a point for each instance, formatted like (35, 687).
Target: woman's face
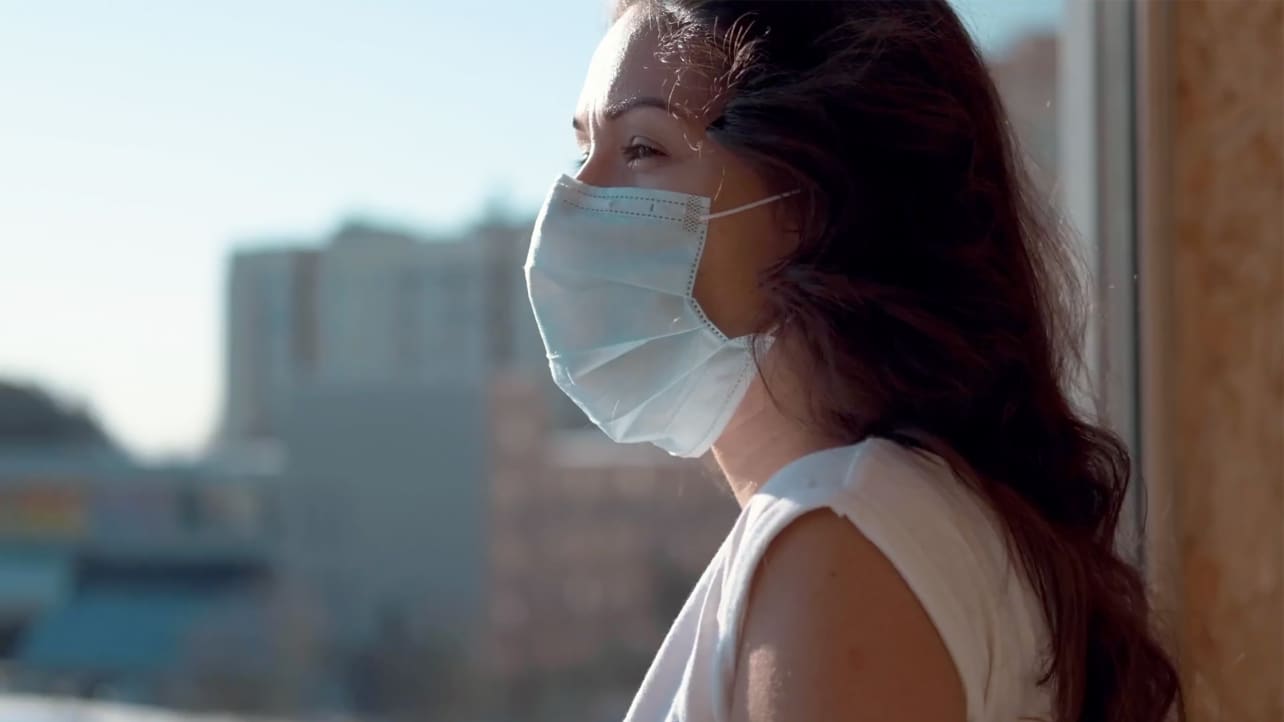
(637, 125)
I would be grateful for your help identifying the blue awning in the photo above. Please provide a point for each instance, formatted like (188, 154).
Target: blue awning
(118, 630)
(32, 581)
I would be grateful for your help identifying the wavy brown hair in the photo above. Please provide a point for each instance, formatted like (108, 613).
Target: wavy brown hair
(937, 303)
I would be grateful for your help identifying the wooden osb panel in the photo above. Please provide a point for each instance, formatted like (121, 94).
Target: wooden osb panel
(1228, 365)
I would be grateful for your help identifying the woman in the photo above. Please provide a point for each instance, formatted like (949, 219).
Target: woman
(798, 239)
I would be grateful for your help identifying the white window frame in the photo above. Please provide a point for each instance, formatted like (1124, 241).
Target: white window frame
(1097, 118)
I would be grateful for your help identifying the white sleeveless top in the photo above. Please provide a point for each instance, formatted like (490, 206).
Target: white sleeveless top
(943, 539)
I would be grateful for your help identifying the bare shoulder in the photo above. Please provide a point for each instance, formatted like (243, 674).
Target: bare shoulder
(833, 632)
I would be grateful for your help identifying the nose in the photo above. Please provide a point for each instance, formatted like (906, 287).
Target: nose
(595, 171)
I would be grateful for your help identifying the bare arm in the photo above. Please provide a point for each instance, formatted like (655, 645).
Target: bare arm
(833, 633)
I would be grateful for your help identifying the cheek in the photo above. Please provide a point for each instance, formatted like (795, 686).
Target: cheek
(736, 253)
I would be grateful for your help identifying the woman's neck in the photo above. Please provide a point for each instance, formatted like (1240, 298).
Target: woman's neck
(764, 436)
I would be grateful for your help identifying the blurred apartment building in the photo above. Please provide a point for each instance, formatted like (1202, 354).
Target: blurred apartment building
(426, 451)
(594, 547)
(360, 364)
(271, 338)
(371, 305)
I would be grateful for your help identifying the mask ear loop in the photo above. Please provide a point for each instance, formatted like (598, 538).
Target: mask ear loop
(747, 206)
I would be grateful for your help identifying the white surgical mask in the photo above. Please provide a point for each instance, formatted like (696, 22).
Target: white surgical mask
(611, 274)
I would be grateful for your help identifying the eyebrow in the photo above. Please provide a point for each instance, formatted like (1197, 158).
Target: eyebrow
(615, 110)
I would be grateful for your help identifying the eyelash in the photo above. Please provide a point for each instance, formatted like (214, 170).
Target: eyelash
(632, 152)
(638, 151)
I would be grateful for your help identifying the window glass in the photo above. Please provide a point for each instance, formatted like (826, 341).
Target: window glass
(272, 252)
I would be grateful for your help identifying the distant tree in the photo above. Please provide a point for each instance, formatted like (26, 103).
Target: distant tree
(29, 414)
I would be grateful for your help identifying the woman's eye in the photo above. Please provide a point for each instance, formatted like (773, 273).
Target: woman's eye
(636, 151)
(633, 152)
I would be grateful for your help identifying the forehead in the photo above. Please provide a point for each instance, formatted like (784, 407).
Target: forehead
(626, 65)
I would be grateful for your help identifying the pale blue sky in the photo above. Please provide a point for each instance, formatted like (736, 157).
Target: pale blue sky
(140, 141)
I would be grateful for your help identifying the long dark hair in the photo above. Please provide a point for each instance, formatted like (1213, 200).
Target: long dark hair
(938, 305)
